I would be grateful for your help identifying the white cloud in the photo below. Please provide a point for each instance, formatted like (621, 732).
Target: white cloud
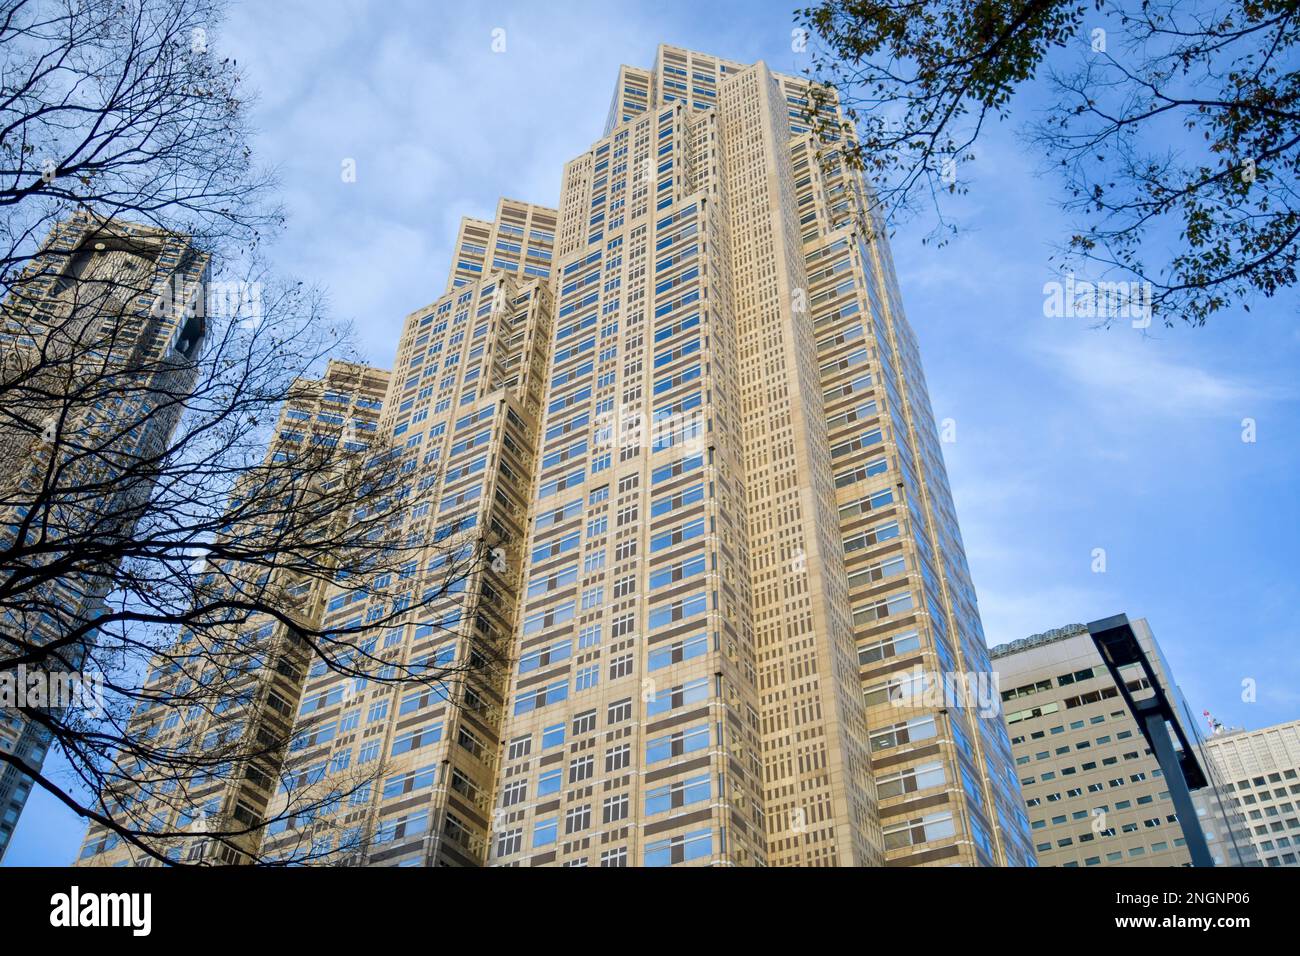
(439, 127)
(1129, 375)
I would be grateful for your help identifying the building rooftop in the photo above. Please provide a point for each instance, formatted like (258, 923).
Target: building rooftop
(1038, 640)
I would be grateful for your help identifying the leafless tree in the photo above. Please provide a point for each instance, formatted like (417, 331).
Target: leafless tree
(148, 359)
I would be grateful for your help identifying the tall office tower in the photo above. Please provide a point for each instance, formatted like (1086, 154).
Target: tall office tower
(96, 350)
(1261, 770)
(380, 770)
(743, 544)
(237, 689)
(463, 403)
(1094, 790)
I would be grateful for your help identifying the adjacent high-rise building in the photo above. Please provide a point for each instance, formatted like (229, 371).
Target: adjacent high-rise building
(233, 691)
(1094, 790)
(1261, 770)
(729, 619)
(463, 407)
(1226, 828)
(96, 355)
(377, 770)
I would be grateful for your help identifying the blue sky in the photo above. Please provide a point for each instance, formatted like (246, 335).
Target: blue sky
(1068, 438)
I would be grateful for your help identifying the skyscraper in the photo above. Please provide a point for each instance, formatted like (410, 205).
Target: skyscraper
(743, 541)
(377, 771)
(253, 674)
(96, 349)
(463, 405)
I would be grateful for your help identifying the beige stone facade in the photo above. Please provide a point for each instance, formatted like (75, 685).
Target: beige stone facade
(745, 528)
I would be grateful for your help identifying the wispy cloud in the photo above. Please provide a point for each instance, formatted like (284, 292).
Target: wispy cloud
(1126, 374)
